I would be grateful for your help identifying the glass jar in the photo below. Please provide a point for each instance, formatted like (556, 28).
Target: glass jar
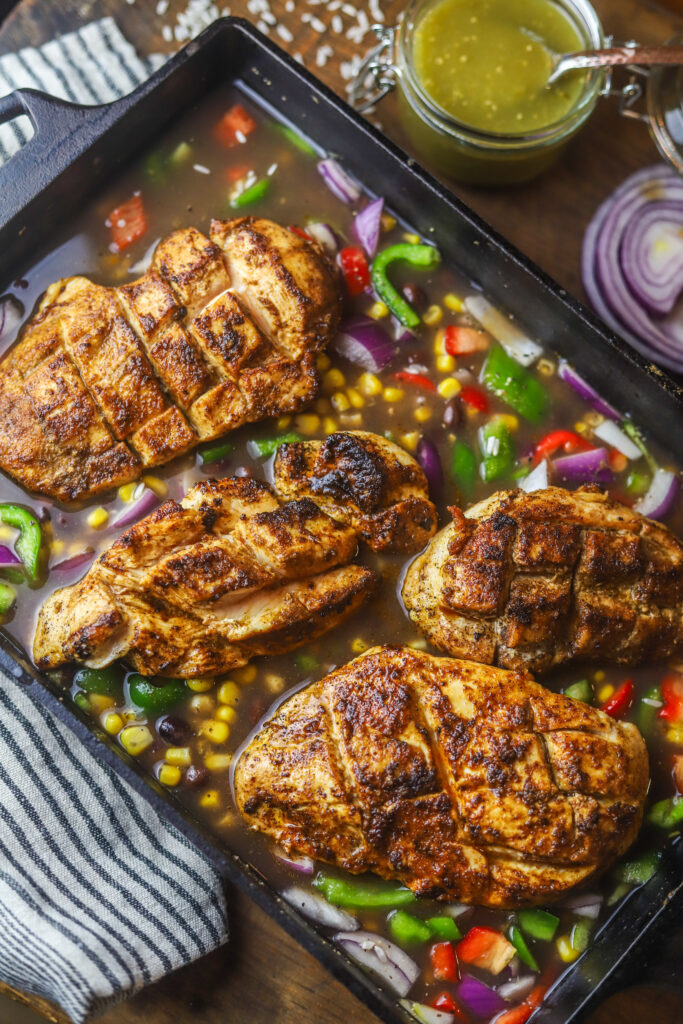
(456, 149)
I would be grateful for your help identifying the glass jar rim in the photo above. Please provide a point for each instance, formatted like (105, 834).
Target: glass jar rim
(591, 29)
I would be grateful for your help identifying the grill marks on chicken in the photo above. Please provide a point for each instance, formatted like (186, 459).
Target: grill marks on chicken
(200, 587)
(462, 781)
(219, 332)
(534, 580)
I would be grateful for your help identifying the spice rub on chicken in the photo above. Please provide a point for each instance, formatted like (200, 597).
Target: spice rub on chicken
(363, 480)
(200, 587)
(535, 580)
(460, 780)
(219, 332)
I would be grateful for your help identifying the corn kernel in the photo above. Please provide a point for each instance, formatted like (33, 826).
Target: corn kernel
(410, 441)
(393, 395)
(581, 427)
(333, 380)
(419, 644)
(274, 683)
(218, 762)
(355, 398)
(126, 491)
(156, 484)
(452, 302)
(422, 414)
(200, 685)
(411, 238)
(135, 739)
(308, 423)
(445, 364)
(6, 532)
(169, 775)
(340, 402)
(181, 757)
(229, 693)
(359, 645)
(440, 343)
(210, 798)
(57, 547)
(244, 675)
(674, 733)
(283, 422)
(323, 362)
(509, 421)
(351, 420)
(567, 952)
(98, 517)
(201, 704)
(599, 676)
(130, 716)
(449, 387)
(605, 693)
(593, 419)
(369, 384)
(378, 310)
(387, 221)
(215, 731)
(545, 367)
(226, 714)
(433, 315)
(329, 425)
(228, 819)
(112, 723)
(100, 702)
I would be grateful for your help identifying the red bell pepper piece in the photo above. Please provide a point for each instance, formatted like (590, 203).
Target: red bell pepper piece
(520, 1014)
(355, 269)
(672, 695)
(487, 948)
(235, 172)
(234, 126)
(678, 772)
(300, 232)
(127, 222)
(444, 965)
(476, 398)
(418, 380)
(463, 341)
(447, 1004)
(617, 460)
(566, 439)
(620, 701)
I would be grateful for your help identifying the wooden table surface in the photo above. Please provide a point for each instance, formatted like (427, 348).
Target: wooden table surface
(262, 976)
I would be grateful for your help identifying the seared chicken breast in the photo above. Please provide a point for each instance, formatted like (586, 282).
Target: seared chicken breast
(462, 781)
(200, 587)
(534, 580)
(363, 480)
(220, 331)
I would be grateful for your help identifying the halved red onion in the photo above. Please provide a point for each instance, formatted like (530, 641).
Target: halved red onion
(78, 561)
(382, 957)
(614, 436)
(514, 341)
(569, 375)
(338, 181)
(8, 560)
(479, 998)
(518, 989)
(661, 495)
(304, 865)
(317, 909)
(325, 236)
(585, 905)
(137, 509)
(428, 457)
(427, 1014)
(537, 479)
(366, 225)
(362, 341)
(652, 256)
(584, 467)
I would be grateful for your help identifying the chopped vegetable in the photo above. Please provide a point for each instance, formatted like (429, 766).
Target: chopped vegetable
(539, 924)
(567, 440)
(447, 1004)
(127, 222)
(428, 457)
(417, 380)
(8, 560)
(367, 225)
(300, 863)
(620, 701)
(463, 341)
(250, 195)
(474, 397)
(523, 951)
(661, 496)
(672, 696)
(580, 691)
(507, 379)
(485, 948)
(520, 1014)
(632, 430)
(307, 662)
(30, 538)
(580, 934)
(584, 467)
(355, 269)
(479, 998)
(364, 342)
(497, 450)
(637, 483)
(667, 813)
(386, 959)
(7, 598)
(536, 480)
(444, 928)
(324, 235)
(216, 452)
(650, 703)
(346, 893)
(156, 697)
(639, 871)
(136, 510)
(338, 181)
(424, 256)
(426, 1014)
(297, 140)
(319, 910)
(464, 467)
(99, 680)
(568, 374)
(516, 344)
(268, 445)
(444, 965)
(611, 434)
(234, 126)
(407, 929)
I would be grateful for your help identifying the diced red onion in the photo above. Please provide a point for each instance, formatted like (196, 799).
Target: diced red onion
(517, 990)
(427, 1014)
(655, 281)
(78, 561)
(325, 236)
(381, 956)
(428, 457)
(362, 341)
(405, 336)
(537, 479)
(8, 560)
(584, 467)
(456, 909)
(137, 509)
(568, 374)
(304, 865)
(145, 262)
(366, 225)
(515, 342)
(317, 909)
(661, 496)
(479, 998)
(585, 905)
(338, 181)
(614, 436)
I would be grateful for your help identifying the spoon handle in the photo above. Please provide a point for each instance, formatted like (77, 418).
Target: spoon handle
(622, 55)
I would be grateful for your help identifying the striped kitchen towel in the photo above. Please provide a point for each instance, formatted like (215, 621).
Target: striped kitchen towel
(98, 895)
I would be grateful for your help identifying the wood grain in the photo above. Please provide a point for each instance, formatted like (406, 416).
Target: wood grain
(263, 976)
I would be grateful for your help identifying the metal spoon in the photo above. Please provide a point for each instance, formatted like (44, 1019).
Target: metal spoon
(628, 54)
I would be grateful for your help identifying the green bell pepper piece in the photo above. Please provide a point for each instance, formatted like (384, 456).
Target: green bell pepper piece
(580, 934)
(637, 483)
(251, 195)
(81, 701)
(629, 428)
(216, 452)
(498, 452)
(269, 445)
(7, 598)
(106, 681)
(509, 380)
(155, 168)
(523, 951)
(296, 139)
(30, 535)
(646, 714)
(181, 154)
(666, 813)
(639, 871)
(344, 893)
(444, 928)
(426, 257)
(580, 691)
(539, 924)
(464, 467)
(306, 662)
(407, 929)
(157, 698)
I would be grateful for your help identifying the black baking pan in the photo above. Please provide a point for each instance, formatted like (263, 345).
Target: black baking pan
(76, 149)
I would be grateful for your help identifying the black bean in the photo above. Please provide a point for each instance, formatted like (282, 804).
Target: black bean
(452, 414)
(195, 776)
(415, 296)
(174, 730)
